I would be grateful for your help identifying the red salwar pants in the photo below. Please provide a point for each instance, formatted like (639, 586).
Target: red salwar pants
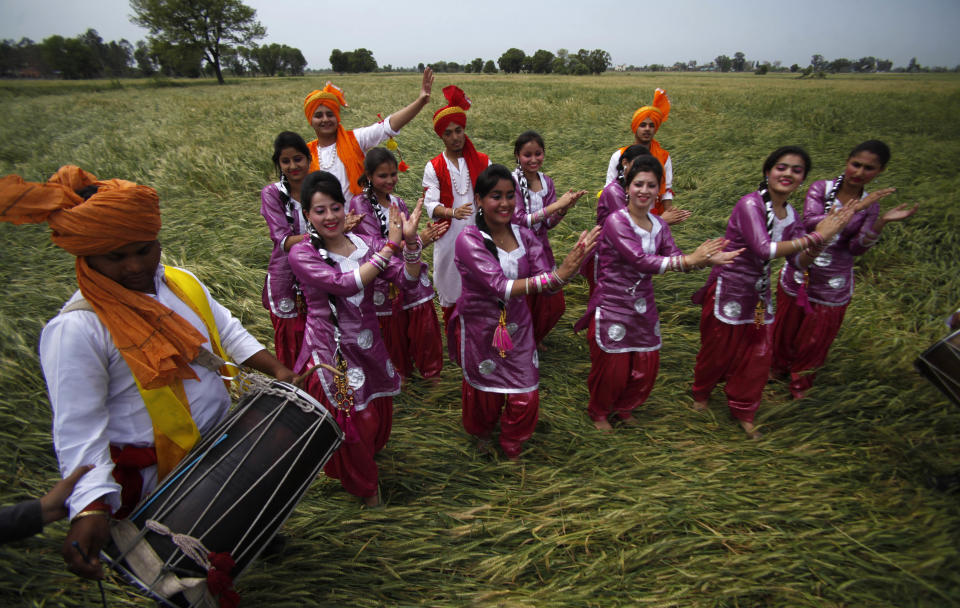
(739, 355)
(801, 340)
(517, 413)
(618, 382)
(546, 309)
(412, 337)
(288, 337)
(365, 433)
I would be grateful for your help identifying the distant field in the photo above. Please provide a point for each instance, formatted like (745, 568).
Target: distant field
(831, 508)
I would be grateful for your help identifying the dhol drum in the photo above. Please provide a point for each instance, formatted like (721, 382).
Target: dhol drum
(229, 495)
(941, 365)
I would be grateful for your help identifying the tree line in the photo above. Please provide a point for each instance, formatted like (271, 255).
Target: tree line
(89, 56)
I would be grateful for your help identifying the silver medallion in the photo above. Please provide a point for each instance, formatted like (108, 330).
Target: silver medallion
(286, 304)
(732, 309)
(823, 260)
(512, 328)
(365, 339)
(616, 332)
(837, 282)
(486, 366)
(356, 377)
(379, 298)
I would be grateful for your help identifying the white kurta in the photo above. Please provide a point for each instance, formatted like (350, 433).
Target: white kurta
(367, 137)
(613, 167)
(96, 402)
(446, 277)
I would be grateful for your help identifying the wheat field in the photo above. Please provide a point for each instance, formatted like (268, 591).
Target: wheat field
(833, 507)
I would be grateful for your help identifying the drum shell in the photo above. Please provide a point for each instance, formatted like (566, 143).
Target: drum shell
(940, 364)
(235, 489)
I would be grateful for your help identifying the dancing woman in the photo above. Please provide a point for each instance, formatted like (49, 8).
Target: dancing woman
(407, 318)
(735, 337)
(624, 327)
(282, 211)
(490, 334)
(538, 209)
(336, 271)
(813, 294)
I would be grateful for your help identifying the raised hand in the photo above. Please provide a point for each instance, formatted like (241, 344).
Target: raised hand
(584, 247)
(433, 231)
(873, 197)
(675, 215)
(411, 222)
(463, 212)
(835, 221)
(352, 221)
(900, 212)
(394, 224)
(426, 85)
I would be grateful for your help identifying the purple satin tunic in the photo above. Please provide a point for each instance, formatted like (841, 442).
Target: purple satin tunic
(522, 213)
(369, 370)
(278, 294)
(738, 283)
(485, 282)
(622, 302)
(831, 274)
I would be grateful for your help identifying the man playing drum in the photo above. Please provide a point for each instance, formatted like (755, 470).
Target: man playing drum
(128, 363)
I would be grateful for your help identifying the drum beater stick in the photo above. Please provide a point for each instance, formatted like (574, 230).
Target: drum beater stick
(103, 596)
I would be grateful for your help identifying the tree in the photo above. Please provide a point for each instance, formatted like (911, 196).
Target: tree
(884, 65)
(512, 60)
(361, 60)
(818, 63)
(739, 62)
(339, 61)
(597, 60)
(541, 62)
(723, 63)
(209, 25)
(476, 66)
(489, 68)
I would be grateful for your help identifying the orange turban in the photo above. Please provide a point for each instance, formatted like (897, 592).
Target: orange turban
(330, 96)
(348, 149)
(657, 112)
(454, 111)
(156, 343)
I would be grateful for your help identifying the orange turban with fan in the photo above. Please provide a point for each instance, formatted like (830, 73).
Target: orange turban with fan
(348, 149)
(657, 112)
(156, 343)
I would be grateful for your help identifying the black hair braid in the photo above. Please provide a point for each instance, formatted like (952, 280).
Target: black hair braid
(372, 197)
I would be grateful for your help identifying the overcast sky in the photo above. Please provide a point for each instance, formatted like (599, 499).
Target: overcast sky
(675, 30)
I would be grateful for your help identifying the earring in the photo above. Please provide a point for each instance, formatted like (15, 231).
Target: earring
(480, 212)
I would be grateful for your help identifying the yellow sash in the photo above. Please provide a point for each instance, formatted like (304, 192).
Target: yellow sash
(174, 430)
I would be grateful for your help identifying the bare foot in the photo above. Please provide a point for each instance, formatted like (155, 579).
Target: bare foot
(372, 501)
(629, 420)
(700, 406)
(484, 446)
(603, 426)
(751, 430)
